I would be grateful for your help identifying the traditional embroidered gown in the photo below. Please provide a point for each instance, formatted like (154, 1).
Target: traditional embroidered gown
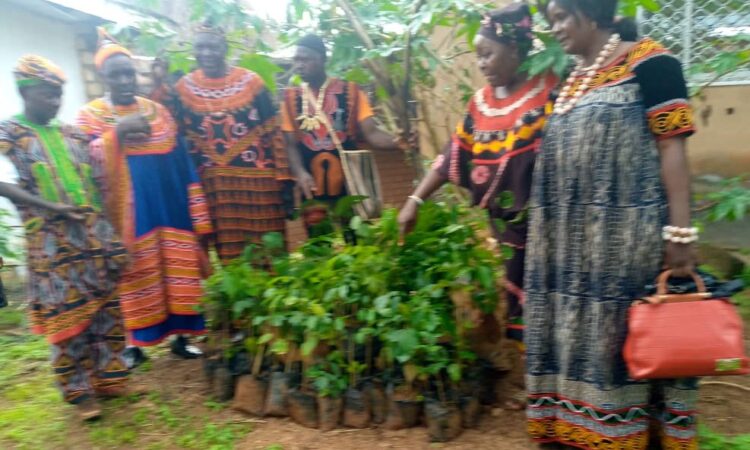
(74, 267)
(597, 209)
(233, 129)
(156, 202)
(492, 154)
(346, 106)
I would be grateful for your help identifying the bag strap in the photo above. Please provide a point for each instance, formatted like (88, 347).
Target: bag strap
(662, 295)
(348, 176)
(323, 116)
(667, 274)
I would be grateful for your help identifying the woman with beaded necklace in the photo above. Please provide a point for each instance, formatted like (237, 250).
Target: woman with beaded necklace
(609, 209)
(492, 154)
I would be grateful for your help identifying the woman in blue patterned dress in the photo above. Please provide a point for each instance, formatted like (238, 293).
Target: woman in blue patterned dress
(611, 174)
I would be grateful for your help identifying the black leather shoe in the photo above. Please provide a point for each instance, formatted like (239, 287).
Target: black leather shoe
(134, 357)
(182, 348)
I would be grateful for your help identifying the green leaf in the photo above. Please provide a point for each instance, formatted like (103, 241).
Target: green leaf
(506, 199)
(241, 306)
(309, 346)
(486, 276)
(265, 339)
(263, 66)
(355, 223)
(317, 309)
(454, 372)
(507, 251)
(405, 343)
(280, 347)
(273, 241)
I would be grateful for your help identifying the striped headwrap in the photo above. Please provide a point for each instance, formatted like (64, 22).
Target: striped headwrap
(33, 69)
(107, 48)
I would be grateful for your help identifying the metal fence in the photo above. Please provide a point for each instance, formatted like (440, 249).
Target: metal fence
(698, 30)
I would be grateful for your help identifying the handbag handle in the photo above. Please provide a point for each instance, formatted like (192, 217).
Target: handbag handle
(667, 274)
(662, 296)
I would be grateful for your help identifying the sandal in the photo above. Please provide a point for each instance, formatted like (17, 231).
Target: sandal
(89, 410)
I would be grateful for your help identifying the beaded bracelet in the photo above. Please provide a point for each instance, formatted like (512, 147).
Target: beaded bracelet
(679, 235)
(419, 201)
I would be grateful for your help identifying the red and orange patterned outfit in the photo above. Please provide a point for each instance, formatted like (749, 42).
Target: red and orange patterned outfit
(233, 130)
(155, 200)
(492, 154)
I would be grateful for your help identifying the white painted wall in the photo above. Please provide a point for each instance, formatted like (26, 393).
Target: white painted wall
(22, 33)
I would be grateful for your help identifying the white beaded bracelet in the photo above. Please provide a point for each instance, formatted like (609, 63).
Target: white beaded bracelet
(419, 201)
(679, 235)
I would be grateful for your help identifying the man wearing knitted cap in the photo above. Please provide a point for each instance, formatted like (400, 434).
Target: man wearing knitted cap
(307, 114)
(73, 254)
(156, 203)
(233, 129)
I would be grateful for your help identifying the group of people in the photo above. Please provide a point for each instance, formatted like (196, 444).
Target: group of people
(121, 209)
(586, 178)
(596, 168)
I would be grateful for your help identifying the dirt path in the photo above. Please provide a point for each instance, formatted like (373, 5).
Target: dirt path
(724, 409)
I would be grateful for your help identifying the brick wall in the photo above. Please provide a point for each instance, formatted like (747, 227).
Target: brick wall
(397, 182)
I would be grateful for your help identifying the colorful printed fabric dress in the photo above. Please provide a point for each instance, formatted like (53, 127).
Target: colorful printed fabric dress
(74, 267)
(233, 130)
(597, 209)
(492, 154)
(156, 202)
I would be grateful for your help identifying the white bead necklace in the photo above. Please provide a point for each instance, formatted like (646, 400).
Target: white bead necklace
(567, 99)
(489, 111)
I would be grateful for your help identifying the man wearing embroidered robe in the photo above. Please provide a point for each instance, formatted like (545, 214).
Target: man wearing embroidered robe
(74, 256)
(156, 203)
(307, 112)
(233, 129)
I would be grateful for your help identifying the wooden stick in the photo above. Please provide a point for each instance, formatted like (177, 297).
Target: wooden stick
(258, 363)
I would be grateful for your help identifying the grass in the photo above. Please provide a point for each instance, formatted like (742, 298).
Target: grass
(713, 441)
(34, 417)
(11, 318)
(31, 413)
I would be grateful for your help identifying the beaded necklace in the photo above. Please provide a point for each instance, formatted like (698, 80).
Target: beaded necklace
(489, 111)
(567, 100)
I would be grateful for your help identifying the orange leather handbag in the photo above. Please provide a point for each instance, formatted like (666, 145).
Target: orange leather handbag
(684, 335)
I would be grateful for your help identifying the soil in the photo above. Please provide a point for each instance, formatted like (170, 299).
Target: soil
(724, 409)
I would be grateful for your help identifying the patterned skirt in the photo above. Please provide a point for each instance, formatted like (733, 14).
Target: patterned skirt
(244, 204)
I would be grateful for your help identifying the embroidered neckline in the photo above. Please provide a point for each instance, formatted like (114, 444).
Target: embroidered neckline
(489, 111)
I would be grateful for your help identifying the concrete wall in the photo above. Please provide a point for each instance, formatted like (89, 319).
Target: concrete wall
(25, 32)
(722, 144)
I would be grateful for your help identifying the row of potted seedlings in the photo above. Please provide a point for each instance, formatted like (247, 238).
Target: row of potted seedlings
(355, 335)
